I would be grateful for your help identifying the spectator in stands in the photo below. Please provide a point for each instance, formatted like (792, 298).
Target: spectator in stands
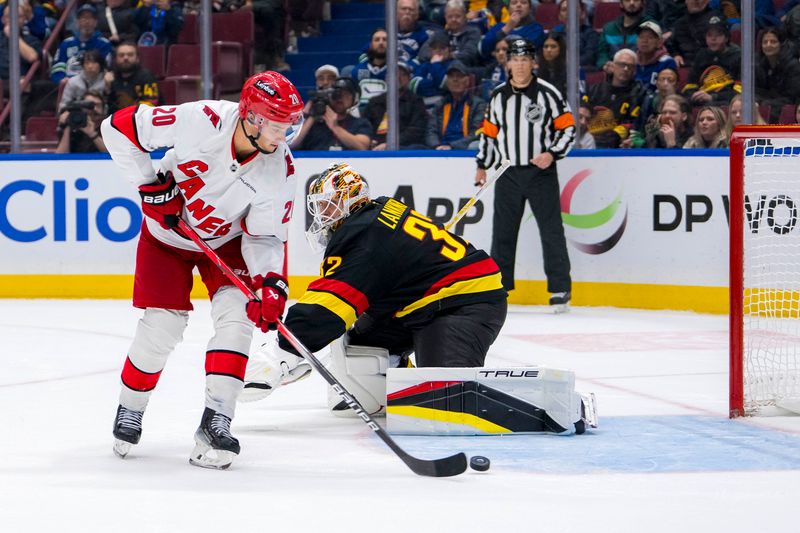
(520, 22)
(497, 72)
(411, 35)
(159, 19)
(332, 127)
(652, 56)
(671, 127)
(269, 15)
(428, 79)
(433, 10)
(689, 36)
(370, 73)
(35, 20)
(463, 37)
(484, 14)
(228, 6)
(666, 13)
(325, 75)
(666, 84)
(307, 14)
(116, 21)
(456, 120)
(736, 115)
(584, 140)
(709, 129)
(714, 78)
(616, 104)
(413, 118)
(589, 38)
(90, 78)
(129, 83)
(551, 61)
(29, 45)
(777, 73)
(80, 130)
(67, 60)
(621, 32)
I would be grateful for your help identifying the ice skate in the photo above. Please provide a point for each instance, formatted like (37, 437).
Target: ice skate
(559, 302)
(127, 430)
(215, 446)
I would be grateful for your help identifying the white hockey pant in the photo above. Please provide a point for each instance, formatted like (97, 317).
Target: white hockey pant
(157, 334)
(226, 357)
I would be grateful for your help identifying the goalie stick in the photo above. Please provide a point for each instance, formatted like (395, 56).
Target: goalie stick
(444, 467)
(474, 200)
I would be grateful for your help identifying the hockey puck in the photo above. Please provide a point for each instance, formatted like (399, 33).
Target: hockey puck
(479, 463)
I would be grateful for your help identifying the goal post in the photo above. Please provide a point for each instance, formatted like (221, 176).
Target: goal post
(764, 283)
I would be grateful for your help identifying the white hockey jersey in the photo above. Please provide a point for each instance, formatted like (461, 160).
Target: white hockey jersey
(224, 198)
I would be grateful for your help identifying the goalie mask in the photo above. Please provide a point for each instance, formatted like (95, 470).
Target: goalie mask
(337, 193)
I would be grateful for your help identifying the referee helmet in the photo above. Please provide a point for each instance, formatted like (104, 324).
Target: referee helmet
(519, 46)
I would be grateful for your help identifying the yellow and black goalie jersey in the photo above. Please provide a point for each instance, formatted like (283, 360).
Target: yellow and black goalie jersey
(395, 263)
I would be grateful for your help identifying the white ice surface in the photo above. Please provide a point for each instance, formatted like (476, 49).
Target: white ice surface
(665, 458)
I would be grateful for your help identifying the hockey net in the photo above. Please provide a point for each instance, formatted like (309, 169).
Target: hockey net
(764, 271)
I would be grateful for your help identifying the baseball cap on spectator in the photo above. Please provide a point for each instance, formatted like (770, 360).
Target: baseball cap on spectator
(328, 68)
(719, 24)
(86, 8)
(457, 65)
(652, 26)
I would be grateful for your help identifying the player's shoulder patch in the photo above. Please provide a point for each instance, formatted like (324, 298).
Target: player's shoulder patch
(212, 115)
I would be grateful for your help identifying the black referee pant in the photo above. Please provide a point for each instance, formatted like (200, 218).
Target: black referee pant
(540, 188)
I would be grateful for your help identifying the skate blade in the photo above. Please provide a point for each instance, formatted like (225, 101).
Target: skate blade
(121, 448)
(560, 309)
(205, 456)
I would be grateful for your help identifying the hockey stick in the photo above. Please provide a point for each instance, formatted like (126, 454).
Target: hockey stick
(444, 467)
(474, 200)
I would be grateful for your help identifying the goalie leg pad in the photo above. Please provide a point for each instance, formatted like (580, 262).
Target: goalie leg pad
(484, 401)
(362, 372)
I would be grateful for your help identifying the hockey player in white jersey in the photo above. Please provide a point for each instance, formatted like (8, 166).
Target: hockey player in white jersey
(229, 174)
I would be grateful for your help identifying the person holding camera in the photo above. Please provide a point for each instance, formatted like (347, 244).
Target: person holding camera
(333, 127)
(80, 130)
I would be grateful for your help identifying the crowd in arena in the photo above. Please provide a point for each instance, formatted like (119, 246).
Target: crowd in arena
(653, 73)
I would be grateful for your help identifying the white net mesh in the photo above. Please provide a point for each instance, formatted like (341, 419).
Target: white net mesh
(771, 310)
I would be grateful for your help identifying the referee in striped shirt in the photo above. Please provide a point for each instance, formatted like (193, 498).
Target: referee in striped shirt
(529, 123)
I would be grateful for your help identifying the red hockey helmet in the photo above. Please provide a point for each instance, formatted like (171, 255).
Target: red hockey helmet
(270, 96)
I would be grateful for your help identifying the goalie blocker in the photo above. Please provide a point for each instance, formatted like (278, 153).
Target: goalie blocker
(460, 401)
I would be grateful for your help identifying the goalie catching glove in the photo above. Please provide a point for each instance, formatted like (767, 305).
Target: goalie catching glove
(162, 200)
(269, 368)
(274, 290)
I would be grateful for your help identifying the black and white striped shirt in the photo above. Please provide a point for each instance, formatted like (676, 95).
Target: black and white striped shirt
(523, 123)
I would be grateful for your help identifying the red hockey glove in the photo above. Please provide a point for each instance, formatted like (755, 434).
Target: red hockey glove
(274, 291)
(162, 200)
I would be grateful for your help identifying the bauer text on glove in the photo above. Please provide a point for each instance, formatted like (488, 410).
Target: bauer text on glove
(162, 200)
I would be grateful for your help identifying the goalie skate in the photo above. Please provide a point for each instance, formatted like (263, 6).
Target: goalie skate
(215, 447)
(127, 430)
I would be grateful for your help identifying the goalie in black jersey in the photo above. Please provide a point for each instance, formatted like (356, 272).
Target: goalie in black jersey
(392, 279)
